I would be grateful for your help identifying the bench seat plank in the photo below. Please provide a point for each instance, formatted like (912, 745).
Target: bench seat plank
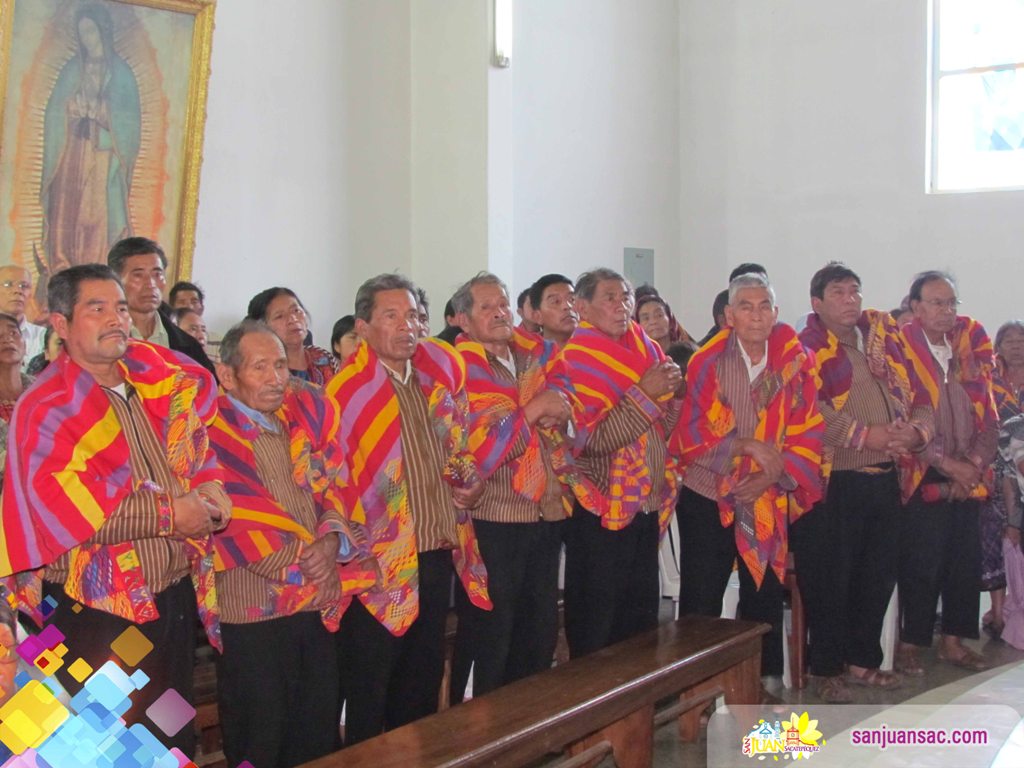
(546, 712)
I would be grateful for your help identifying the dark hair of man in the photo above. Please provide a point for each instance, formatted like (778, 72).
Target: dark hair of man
(344, 325)
(260, 303)
(133, 246)
(923, 278)
(680, 353)
(462, 299)
(1005, 328)
(747, 268)
(719, 305)
(449, 312)
(6, 318)
(179, 314)
(64, 287)
(366, 296)
(650, 298)
(184, 285)
(586, 284)
(421, 298)
(521, 299)
(833, 272)
(542, 284)
(231, 344)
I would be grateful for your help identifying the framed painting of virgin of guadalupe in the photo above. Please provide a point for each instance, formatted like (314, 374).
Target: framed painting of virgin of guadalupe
(102, 107)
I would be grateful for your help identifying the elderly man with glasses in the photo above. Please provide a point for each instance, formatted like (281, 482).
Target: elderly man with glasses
(15, 288)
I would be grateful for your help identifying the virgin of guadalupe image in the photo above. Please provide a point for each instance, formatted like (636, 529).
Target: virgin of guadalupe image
(92, 131)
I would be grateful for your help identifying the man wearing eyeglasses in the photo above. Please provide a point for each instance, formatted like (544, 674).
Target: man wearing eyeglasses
(940, 547)
(15, 288)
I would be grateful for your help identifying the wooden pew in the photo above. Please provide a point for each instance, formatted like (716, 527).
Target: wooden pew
(608, 696)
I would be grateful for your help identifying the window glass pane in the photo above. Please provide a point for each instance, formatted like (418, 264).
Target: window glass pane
(980, 33)
(980, 131)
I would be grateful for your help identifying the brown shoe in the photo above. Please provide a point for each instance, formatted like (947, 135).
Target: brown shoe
(967, 659)
(908, 662)
(833, 690)
(874, 678)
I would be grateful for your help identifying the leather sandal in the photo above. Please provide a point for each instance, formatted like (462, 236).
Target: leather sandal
(967, 659)
(874, 678)
(908, 663)
(994, 629)
(833, 690)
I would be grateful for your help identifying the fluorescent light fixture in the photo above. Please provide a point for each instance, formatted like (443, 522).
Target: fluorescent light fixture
(503, 32)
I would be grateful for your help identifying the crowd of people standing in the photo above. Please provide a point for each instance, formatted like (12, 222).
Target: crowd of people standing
(313, 508)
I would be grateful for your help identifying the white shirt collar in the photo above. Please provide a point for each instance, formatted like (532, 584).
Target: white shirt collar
(942, 353)
(753, 370)
(400, 378)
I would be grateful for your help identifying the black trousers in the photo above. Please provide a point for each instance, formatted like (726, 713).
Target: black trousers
(611, 580)
(277, 685)
(940, 554)
(517, 638)
(90, 632)
(388, 681)
(846, 552)
(707, 552)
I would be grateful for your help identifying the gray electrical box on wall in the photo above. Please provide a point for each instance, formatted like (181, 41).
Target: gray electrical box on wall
(638, 265)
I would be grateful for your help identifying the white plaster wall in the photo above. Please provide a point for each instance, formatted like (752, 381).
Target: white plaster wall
(803, 136)
(449, 198)
(596, 136)
(274, 194)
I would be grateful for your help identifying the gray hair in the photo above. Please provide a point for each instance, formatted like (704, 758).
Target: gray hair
(1004, 329)
(462, 300)
(586, 284)
(366, 296)
(231, 344)
(749, 280)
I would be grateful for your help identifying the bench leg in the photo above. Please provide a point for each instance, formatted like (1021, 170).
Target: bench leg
(632, 739)
(690, 720)
(742, 682)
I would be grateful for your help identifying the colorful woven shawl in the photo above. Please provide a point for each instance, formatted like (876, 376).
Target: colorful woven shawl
(887, 361)
(259, 525)
(973, 364)
(374, 488)
(1007, 397)
(602, 369)
(790, 421)
(496, 420)
(68, 469)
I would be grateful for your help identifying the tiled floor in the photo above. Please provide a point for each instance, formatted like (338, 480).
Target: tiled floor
(945, 680)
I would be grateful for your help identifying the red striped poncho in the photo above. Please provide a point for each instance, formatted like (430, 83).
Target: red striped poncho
(496, 421)
(259, 524)
(791, 422)
(374, 489)
(68, 470)
(973, 364)
(887, 361)
(602, 369)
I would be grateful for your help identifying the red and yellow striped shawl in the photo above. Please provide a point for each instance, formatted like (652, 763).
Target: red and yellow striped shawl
(790, 421)
(259, 524)
(887, 360)
(496, 419)
(973, 365)
(602, 369)
(373, 481)
(68, 470)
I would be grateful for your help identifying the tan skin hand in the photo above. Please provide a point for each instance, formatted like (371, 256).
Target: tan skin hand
(959, 471)
(320, 558)
(550, 408)
(904, 438)
(469, 495)
(766, 456)
(191, 516)
(750, 488)
(661, 379)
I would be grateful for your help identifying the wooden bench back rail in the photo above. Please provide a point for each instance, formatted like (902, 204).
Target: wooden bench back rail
(558, 707)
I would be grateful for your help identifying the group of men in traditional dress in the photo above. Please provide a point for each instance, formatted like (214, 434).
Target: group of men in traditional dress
(317, 532)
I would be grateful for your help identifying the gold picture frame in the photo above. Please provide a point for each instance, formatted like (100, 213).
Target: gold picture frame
(102, 111)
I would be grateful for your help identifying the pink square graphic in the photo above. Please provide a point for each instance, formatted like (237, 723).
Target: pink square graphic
(170, 712)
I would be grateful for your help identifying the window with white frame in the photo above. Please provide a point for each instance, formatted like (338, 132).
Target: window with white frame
(976, 98)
